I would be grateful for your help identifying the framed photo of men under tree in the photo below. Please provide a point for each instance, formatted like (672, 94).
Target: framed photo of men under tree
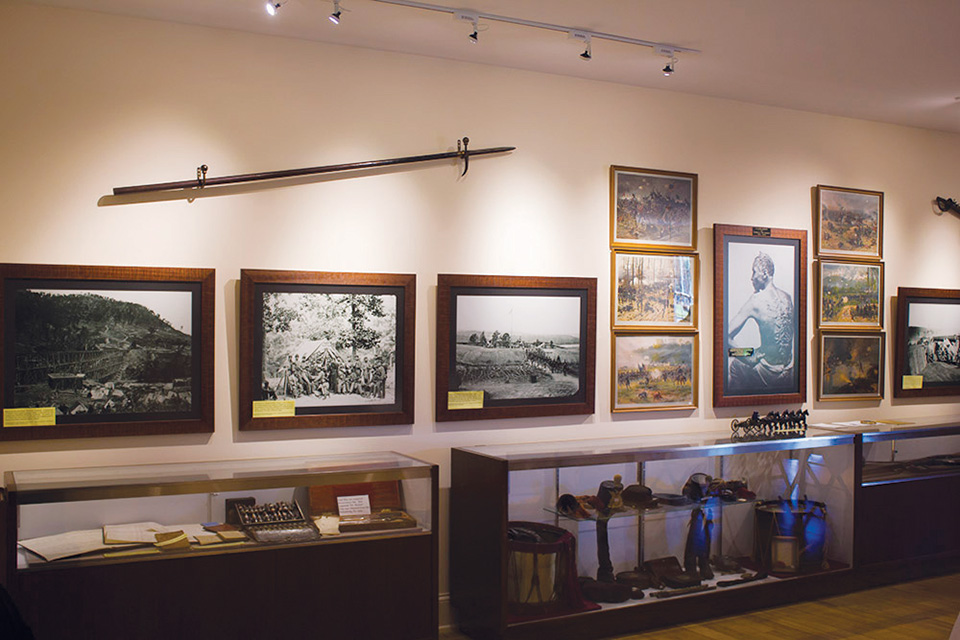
(321, 349)
(760, 302)
(515, 346)
(97, 351)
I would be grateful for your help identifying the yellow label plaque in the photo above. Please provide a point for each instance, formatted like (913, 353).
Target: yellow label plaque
(30, 417)
(464, 400)
(913, 382)
(274, 409)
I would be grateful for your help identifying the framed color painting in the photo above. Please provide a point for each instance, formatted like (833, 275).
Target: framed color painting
(652, 209)
(849, 223)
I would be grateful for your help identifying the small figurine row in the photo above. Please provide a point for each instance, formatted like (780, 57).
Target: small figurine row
(774, 425)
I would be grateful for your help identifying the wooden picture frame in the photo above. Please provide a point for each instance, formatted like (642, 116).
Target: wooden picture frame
(326, 349)
(848, 223)
(102, 351)
(759, 316)
(654, 371)
(654, 291)
(851, 366)
(927, 355)
(850, 295)
(515, 346)
(653, 209)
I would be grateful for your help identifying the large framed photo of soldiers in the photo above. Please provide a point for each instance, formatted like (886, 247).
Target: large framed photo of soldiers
(927, 356)
(98, 351)
(760, 302)
(515, 346)
(324, 349)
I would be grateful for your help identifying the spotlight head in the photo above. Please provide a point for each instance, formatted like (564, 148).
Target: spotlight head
(335, 17)
(947, 204)
(670, 68)
(586, 55)
(474, 37)
(273, 7)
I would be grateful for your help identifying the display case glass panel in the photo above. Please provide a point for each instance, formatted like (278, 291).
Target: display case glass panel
(109, 514)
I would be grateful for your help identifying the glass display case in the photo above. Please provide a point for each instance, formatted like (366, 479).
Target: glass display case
(906, 468)
(297, 541)
(591, 538)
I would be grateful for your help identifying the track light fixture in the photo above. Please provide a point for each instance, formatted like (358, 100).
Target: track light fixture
(948, 204)
(584, 36)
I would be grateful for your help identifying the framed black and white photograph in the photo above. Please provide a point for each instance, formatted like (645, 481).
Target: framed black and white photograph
(654, 372)
(850, 295)
(927, 356)
(651, 209)
(655, 291)
(849, 223)
(851, 366)
(320, 349)
(92, 351)
(760, 284)
(512, 346)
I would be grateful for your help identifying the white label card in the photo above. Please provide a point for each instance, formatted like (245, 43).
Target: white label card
(354, 505)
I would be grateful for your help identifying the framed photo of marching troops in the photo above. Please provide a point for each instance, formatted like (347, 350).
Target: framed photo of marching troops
(322, 349)
(514, 346)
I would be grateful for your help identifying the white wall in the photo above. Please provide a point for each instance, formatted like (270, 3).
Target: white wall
(92, 101)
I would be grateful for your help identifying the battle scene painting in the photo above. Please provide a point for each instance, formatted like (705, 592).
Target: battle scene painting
(96, 353)
(851, 367)
(654, 290)
(851, 294)
(850, 222)
(654, 372)
(653, 208)
(327, 350)
(517, 347)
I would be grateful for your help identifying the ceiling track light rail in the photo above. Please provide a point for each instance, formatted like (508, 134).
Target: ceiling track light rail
(202, 181)
(657, 46)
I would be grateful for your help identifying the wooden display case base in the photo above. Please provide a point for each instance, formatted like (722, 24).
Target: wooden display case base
(355, 590)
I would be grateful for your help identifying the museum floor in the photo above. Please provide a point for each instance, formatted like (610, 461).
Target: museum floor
(919, 610)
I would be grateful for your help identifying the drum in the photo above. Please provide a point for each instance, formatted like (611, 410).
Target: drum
(790, 536)
(542, 572)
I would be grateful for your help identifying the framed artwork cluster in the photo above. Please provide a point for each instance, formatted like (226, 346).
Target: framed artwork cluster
(850, 293)
(655, 276)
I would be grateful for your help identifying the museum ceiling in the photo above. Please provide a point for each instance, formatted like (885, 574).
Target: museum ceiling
(885, 60)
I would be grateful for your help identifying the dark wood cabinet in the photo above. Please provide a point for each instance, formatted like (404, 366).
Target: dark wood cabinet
(381, 584)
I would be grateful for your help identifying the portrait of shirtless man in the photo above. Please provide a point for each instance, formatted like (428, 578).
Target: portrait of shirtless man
(771, 366)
